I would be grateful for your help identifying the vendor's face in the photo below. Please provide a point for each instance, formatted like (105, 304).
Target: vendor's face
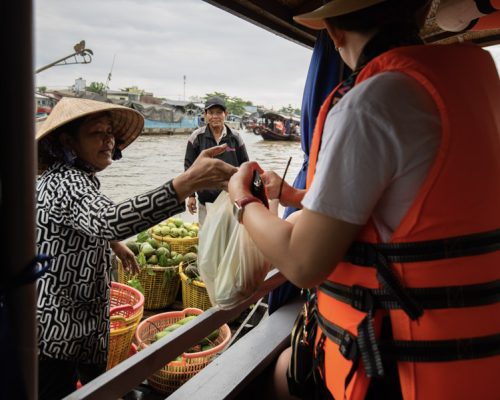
(95, 142)
(215, 117)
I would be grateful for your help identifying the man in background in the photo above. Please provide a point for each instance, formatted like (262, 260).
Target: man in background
(214, 133)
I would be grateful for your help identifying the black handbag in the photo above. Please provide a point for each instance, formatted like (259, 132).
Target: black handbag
(303, 374)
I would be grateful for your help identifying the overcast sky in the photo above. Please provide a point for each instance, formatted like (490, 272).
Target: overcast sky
(157, 42)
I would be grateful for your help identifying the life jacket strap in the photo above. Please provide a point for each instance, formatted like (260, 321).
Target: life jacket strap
(365, 299)
(413, 350)
(366, 254)
(381, 255)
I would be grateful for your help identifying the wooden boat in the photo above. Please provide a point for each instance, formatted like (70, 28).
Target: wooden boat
(267, 134)
(236, 370)
(279, 127)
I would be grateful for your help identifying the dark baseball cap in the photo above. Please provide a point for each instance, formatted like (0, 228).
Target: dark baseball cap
(215, 102)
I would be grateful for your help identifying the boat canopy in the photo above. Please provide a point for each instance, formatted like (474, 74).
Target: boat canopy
(277, 16)
(278, 116)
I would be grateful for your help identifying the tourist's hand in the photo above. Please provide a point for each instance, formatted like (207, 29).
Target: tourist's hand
(272, 182)
(240, 182)
(290, 196)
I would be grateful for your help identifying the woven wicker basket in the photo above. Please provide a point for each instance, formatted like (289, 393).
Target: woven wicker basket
(159, 292)
(127, 307)
(194, 293)
(176, 373)
(180, 245)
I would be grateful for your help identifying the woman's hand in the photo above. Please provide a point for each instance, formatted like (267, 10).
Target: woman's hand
(241, 181)
(126, 256)
(191, 204)
(205, 173)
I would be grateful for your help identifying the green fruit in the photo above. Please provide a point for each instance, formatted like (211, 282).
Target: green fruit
(152, 260)
(189, 257)
(166, 245)
(161, 334)
(162, 251)
(178, 222)
(175, 232)
(153, 242)
(143, 236)
(186, 319)
(133, 246)
(210, 338)
(147, 249)
(192, 272)
(157, 230)
(172, 327)
(164, 231)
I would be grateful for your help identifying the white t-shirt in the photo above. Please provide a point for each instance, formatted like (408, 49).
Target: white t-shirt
(378, 144)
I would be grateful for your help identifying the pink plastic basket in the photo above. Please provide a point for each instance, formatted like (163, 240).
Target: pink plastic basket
(127, 307)
(176, 373)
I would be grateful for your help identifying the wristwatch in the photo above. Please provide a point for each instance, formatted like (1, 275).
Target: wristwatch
(239, 206)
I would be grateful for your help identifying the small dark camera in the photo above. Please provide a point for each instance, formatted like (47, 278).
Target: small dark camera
(257, 188)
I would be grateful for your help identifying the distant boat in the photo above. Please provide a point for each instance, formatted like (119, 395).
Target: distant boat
(274, 126)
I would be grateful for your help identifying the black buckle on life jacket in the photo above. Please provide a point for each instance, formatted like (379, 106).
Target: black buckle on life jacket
(362, 298)
(348, 346)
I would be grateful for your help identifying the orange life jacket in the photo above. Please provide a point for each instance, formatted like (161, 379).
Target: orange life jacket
(445, 310)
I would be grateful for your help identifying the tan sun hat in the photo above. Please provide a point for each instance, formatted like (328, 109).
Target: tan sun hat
(127, 123)
(335, 8)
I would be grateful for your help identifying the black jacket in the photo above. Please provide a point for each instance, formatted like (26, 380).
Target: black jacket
(201, 139)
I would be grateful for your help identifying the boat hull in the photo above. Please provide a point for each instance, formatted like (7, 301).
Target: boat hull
(267, 134)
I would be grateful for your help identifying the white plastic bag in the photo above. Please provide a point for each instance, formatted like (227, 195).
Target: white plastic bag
(230, 264)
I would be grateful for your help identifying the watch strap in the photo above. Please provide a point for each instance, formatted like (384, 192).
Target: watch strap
(247, 200)
(241, 203)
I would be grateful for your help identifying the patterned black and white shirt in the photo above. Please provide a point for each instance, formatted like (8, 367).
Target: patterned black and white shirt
(75, 223)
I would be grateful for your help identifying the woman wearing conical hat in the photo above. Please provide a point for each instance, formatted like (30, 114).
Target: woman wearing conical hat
(76, 223)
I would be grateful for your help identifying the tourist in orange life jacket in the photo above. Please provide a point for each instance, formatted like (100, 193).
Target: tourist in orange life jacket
(398, 235)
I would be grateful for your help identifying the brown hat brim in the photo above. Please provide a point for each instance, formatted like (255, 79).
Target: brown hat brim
(315, 19)
(127, 123)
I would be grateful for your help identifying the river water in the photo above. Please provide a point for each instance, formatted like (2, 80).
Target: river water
(152, 160)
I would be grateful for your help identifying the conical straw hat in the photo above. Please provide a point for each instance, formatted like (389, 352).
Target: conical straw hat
(127, 123)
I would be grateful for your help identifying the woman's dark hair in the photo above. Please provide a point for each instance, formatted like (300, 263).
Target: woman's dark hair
(397, 24)
(51, 149)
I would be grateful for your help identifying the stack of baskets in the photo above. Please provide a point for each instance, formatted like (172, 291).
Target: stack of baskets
(194, 293)
(160, 284)
(176, 373)
(127, 307)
